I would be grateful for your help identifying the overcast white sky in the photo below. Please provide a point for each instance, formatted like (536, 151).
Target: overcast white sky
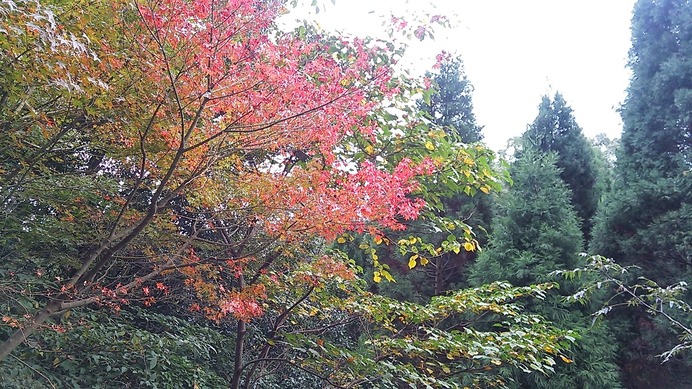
(515, 52)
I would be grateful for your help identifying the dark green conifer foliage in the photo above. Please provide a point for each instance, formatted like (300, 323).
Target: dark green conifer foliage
(452, 106)
(535, 232)
(647, 221)
(535, 229)
(555, 130)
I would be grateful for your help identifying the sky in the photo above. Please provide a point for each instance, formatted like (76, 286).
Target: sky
(514, 52)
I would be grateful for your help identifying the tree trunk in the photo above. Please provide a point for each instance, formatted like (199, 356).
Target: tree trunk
(239, 350)
(29, 328)
(439, 277)
(239, 345)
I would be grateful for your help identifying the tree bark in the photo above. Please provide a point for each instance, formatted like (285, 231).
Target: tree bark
(239, 346)
(25, 331)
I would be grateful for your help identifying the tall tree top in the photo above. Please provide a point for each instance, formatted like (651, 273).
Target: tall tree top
(452, 105)
(555, 130)
(657, 113)
(553, 124)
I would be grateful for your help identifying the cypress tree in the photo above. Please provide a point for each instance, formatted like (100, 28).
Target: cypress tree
(647, 220)
(555, 130)
(451, 106)
(535, 232)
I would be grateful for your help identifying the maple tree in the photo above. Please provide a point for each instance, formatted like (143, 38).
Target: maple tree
(189, 105)
(190, 138)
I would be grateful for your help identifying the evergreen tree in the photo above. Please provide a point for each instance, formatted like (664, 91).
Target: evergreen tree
(536, 232)
(647, 221)
(555, 130)
(451, 105)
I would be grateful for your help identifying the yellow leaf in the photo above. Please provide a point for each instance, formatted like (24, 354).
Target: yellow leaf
(412, 261)
(369, 149)
(468, 246)
(485, 189)
(341, 240)
(377, 277)
(429, 145)
(424, 261)
(378, 240)
(388, 276)
(565, 359)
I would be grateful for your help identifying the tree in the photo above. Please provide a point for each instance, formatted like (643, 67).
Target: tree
(320, 329)
(449, 105)
(536, 232)
(646, 220)
(555, 130)
(653, 160)
(440, 344)
(189, 151)
(175, 136)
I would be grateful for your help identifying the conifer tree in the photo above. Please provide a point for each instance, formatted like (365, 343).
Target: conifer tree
(647, 221)
(452, 106)
(536, 232)
(648, 218)
(555, 130)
